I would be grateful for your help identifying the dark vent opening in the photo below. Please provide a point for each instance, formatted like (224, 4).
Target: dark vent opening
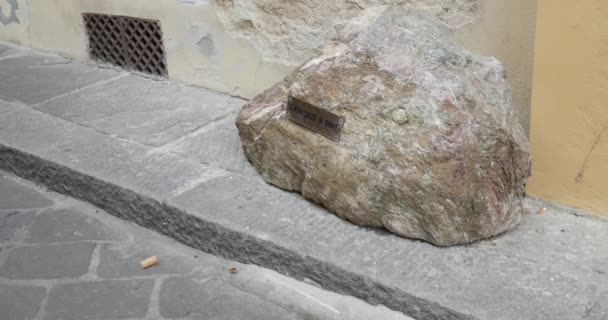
(130, 43)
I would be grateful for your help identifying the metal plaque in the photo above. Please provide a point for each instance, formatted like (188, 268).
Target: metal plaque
(314, 118)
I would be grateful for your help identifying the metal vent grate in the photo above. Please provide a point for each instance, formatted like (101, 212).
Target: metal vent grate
(130, 43)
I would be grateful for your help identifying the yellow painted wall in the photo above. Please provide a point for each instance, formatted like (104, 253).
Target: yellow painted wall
(569, 121)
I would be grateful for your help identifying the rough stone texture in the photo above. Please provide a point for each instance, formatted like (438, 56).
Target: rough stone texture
(48, 261)
(537, 271)
(291, 31)
(185, 282)
(20, 302)
(431, 148)
(117, 299)
(148, 111)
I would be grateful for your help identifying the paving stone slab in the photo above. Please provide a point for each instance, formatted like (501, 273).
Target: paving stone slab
(68, 225)
(130, 165)
(193, 298)
(20, 197)
(14, 226)
(121, 260)
(34, 78)
(53, 261)
(151, 112)
(119, 299)
(269, 290)
(20, 302)
(5, 107)
(217, 145)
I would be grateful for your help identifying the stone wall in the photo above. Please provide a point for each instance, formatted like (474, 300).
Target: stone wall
(242, 47)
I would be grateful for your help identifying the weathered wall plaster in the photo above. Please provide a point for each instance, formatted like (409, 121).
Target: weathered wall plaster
(14, 22)
(8, 12)
(242, 47)
(569, 123)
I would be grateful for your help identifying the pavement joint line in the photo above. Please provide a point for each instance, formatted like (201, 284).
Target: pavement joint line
(77, 280)
(47, 65)
(17, 104)
(92, 85)
(10, 112)
(48, 116)
(154, 299)
(195, 131)
(41, 314)
(190, 185)
(94, 263)
(259, 296)
(23, 244)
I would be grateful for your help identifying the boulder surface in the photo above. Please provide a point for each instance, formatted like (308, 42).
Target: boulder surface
(430, 148)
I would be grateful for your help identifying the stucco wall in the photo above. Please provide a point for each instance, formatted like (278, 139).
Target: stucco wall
(506, 30)
(242, 47)
(569, 133)
(14, 21)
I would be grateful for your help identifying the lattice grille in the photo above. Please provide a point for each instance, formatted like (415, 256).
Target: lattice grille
(127, 42)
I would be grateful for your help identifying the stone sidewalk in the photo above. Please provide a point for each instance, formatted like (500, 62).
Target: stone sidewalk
(167, 157)
(64, 259)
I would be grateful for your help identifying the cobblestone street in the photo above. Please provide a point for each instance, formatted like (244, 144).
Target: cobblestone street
(63, 259)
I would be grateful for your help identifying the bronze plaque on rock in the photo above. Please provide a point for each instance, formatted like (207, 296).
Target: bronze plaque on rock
(314, 118)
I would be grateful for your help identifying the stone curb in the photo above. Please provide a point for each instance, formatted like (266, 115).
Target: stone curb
(213, 238)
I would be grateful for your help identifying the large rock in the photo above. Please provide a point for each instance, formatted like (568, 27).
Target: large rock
(431, 147)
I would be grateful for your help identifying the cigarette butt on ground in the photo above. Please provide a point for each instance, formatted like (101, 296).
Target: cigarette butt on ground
(148, 262)
(232, 270)
(542, 210)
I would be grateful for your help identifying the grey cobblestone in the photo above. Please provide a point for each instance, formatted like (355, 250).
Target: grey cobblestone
(48, 261)
(118, 299)
(217, 144)
(69, 225)
(213, 299)
(6, 107)
(90, 271)
(14, 226)
(150, 112)
(34, 78)
(120, 261)
(20, 302)
(18, 197)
